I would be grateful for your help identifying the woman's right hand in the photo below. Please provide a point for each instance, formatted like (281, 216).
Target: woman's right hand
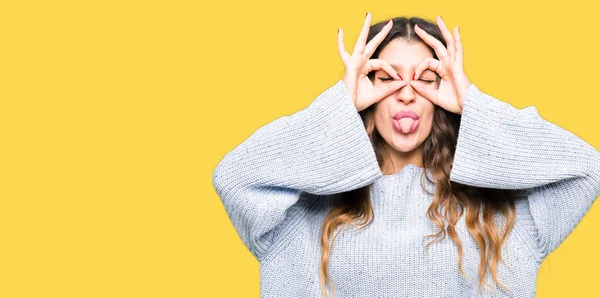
(362, 90)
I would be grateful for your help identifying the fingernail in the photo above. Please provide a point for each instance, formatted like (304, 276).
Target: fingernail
(400, 76)
(338, 30)
(418, 26)
(388, 21)
(367, 14)
(413, 76)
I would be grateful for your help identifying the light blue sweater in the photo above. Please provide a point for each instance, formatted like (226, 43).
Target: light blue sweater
(275, 186)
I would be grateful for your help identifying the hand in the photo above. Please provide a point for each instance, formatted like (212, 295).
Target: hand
(358, 66)
(454, 83)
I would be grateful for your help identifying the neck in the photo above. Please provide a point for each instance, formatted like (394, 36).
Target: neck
(397, 160)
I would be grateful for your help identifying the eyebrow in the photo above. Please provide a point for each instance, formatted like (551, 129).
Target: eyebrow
(394, 65)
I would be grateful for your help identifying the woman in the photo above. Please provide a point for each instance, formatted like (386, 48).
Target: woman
(405, 148)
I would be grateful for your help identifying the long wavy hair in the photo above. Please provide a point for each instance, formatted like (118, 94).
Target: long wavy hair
(451, 200)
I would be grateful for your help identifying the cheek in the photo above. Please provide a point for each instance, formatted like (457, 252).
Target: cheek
(379, 109)
(380, 117)
(429, 118)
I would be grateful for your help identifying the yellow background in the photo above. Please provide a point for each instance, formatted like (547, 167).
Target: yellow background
(114, 113)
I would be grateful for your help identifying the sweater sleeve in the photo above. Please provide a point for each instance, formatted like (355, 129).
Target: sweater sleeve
(322, 149)
(500, 146)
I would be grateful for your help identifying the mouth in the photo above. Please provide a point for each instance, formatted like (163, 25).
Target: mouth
(406, 114)
(405, 122)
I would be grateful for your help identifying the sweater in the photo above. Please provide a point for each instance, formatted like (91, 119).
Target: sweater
(276, 188)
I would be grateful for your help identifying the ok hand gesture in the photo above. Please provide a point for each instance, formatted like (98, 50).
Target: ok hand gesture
(358, 66)
(454, 83)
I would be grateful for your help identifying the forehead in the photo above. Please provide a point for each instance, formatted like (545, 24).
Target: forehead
(404, 55)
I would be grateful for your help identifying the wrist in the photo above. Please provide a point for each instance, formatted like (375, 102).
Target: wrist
(349, 88)
(461, 99)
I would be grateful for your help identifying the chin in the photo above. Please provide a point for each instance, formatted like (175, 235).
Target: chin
(404, 146)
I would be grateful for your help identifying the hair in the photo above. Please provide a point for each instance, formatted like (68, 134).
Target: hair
(451, 199)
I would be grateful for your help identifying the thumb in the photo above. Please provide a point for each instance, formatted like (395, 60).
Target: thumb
(387, 89)
(428, 93)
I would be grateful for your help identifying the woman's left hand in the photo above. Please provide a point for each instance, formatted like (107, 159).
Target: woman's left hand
(454, 83)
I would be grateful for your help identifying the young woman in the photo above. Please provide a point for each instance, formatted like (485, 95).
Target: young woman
(405, 148)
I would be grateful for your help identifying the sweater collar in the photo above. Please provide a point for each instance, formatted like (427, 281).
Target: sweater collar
(407, 180)
(408, 168)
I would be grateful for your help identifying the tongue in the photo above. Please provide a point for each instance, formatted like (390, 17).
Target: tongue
(406, 124)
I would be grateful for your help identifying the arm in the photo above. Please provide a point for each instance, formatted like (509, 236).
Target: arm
(500, 146)
(322, 149)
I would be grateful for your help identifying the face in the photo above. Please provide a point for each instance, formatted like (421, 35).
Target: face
(406, 144)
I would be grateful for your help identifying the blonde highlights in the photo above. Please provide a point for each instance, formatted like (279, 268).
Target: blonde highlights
(451, 200)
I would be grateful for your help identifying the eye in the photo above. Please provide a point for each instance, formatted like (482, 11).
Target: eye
(427, 81)
(385, 79)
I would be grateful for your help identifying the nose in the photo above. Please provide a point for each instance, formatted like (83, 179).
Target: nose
(406, 94)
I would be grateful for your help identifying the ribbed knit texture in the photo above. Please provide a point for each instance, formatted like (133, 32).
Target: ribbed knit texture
(275, 187)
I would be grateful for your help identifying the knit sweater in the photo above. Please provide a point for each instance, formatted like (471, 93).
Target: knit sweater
(277, 185)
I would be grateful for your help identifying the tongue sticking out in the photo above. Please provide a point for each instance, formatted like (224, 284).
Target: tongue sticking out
(406, 124)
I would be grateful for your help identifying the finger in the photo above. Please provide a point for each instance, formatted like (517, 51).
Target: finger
(437, 45)
(447, 36)
(359, 47)
(459, 48)
(428, 93)
(374, 43)
(341, 47)
(385, 90)
(430, 63)
(379, 64)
